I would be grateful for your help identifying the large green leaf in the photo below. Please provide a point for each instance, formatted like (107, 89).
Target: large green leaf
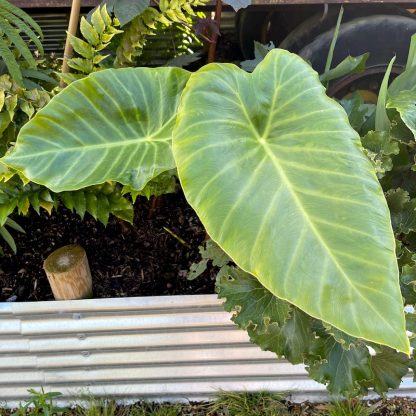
(405, 103)
(350, 65)
(388, 367)
(279, 179)
(345, 371)
(382, 121)
(114, 125)
(270, 322)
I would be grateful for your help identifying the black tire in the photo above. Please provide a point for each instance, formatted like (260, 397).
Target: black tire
(383, 36)
(317, 24)
(277, 25)
(250, 27)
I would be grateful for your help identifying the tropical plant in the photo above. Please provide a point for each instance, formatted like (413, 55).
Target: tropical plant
(17, 106)
(14, 23)
(139, 22)
(6, 236)
(281, 183)
(349, 65)
(144, 25)
(98, 34)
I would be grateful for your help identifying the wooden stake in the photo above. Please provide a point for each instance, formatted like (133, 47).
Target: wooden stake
(68, 273)
(72, 29)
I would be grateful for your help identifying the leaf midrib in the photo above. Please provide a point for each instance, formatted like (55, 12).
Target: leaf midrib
(286, 180)
(262, 140)
(96, 146)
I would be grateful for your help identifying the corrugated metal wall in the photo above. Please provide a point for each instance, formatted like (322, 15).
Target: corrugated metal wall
(156, 348)
(55, 24)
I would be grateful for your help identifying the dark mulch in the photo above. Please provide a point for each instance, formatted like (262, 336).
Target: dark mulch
(139, 260)
(392, 406)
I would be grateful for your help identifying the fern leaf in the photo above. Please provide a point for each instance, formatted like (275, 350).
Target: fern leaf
(92, 204)
(88, 32)
(69, 77)
(10, 61)
(23, 27)
(80, 203)
(103, 209)
(81, 64)
(17, 40)
(39, 75)
(105, 15)
(15, 226)
(97, 21)
(4, 4)
(7, 237)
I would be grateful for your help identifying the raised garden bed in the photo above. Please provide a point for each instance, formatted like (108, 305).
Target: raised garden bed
(143, 259)
(165, 348)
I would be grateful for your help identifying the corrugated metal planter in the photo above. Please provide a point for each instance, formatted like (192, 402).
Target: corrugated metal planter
(157, 348)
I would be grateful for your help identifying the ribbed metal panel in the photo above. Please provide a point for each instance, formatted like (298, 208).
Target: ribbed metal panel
(155, 348)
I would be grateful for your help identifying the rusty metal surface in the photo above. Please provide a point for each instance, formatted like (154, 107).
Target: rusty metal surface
(91, 3)
(405, 3)
(29, 4)
(32, 4)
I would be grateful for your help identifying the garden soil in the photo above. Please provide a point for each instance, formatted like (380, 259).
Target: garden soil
(144, 259)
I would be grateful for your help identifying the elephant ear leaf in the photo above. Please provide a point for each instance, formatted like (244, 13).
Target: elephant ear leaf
(114, 125)
(280, 181)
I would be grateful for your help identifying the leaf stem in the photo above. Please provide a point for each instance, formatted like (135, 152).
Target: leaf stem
(333, 41)
(181, 240)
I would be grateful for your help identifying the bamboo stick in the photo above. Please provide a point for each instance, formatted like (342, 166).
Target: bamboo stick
(72, 29)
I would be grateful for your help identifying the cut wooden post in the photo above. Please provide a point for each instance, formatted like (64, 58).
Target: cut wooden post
(72, 29)
(68, 273)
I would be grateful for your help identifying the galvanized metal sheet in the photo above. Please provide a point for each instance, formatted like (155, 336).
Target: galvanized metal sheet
(154, 348)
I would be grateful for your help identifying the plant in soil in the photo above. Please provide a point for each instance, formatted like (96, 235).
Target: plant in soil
(40, 404)
(280, 181)
(283, 187)
(30, 84)
(349, 408)
(248, 404)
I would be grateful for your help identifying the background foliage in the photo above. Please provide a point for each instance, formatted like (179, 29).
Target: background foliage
(14, 22)
(346, 364)
(349, 366)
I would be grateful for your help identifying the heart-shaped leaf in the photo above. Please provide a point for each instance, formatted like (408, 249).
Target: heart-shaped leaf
(280, 181)
(114, 125)
(405, 104)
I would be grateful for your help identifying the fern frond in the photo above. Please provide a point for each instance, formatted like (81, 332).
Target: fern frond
(23, 27)
(7, 237)
(14, 225)
(39, 75)
(98, 35)
(5, 5)
(10, 61)
(99, 201)
(13, 35)
(142, 26)
(16, 196)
